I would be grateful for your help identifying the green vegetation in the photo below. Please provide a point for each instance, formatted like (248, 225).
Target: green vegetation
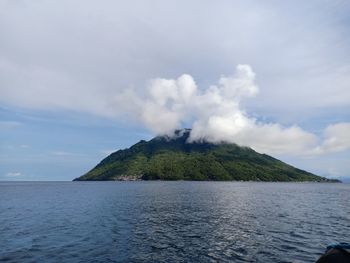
(164, 158)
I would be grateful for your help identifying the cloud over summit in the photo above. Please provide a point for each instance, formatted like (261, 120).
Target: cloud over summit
(170, 103)
(215, 115)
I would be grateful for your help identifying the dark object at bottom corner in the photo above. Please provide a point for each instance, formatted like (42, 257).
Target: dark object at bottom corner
(338, 253)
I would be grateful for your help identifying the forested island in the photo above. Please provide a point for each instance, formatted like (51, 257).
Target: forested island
(174, 158)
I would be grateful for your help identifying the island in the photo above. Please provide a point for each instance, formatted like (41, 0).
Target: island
(175, 158)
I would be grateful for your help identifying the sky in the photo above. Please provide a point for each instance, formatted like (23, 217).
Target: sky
(81, 79)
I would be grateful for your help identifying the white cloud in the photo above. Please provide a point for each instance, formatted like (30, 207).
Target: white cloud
(216, 115)
(64, 153)
(14, 174)
(336, 139)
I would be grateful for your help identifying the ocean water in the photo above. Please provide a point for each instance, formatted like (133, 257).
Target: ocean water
(171, 221)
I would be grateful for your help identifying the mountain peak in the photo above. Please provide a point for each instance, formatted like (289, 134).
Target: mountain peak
(183, 134)
(173, 158)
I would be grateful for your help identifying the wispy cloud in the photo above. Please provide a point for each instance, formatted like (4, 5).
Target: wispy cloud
(13, 174)
(64, 153)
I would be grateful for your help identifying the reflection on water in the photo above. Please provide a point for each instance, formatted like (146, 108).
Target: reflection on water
(171, 221)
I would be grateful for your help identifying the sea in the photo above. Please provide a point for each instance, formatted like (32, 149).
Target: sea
(159, 221)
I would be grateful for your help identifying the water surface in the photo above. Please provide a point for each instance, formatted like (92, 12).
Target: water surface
(171, 221)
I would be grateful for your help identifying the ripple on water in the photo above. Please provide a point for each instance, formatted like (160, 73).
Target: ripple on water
(170, 221)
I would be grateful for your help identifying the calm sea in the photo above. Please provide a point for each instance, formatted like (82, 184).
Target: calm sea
(171, 221)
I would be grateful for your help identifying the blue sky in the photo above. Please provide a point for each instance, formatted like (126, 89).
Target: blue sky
(81, 79)
(58, 146)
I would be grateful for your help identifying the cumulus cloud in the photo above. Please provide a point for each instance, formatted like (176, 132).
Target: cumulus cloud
(215, 115)
(336, 139)
(173, 102)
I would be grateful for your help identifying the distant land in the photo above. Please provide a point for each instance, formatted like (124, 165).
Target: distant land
(174, 158)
